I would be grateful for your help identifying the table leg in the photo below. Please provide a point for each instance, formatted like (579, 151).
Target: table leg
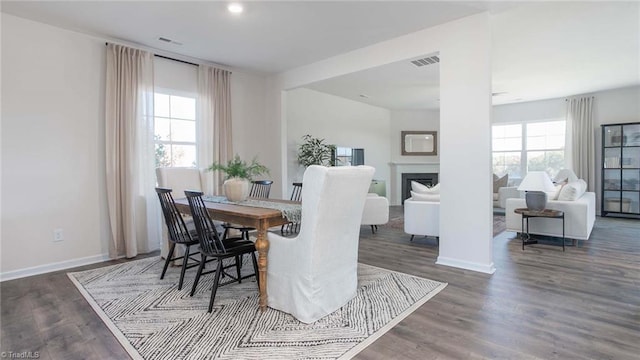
(262, 245)
(522, 229)
(563, 233)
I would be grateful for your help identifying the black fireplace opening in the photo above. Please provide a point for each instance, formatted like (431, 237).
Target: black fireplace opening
(428, 179)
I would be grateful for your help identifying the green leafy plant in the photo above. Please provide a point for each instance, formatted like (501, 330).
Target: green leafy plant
(314, 152)
(240, 169)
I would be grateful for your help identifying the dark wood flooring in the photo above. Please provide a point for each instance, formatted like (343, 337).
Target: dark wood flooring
(541, 303)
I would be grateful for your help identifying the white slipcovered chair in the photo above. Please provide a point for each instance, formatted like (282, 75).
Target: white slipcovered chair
(178, 179)
(375, 212)
(315, 273)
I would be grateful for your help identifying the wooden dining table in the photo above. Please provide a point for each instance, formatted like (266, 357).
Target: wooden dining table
(257, 217)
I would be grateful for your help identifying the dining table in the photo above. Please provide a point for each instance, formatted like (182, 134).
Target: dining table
(260, 218)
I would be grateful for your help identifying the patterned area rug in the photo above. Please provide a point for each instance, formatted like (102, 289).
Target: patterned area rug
(153, 320)
(499, 223)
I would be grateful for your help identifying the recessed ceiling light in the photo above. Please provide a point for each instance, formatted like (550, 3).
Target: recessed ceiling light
(235, 8)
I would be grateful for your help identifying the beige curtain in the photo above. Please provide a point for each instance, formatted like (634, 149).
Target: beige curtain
(214, 122)
(580, 120)
(133, 205)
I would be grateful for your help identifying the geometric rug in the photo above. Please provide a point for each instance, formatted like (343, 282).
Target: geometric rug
(152, 319)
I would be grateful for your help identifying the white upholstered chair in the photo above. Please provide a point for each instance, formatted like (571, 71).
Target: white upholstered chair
(422, 218)
(178, 179)
(376, 211)
(315, 273)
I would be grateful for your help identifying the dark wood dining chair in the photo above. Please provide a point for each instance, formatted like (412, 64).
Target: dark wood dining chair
(296, 195)
(179, 234)
(211, 245)
(259, 189)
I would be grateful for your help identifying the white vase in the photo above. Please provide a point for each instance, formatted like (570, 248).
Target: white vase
(236, 189)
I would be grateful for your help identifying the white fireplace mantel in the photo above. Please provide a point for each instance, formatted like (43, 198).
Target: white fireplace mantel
(397, 168)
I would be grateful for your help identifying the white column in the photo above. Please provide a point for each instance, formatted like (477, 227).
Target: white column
(465, 148)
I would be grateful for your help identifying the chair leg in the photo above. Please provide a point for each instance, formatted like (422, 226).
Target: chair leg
(255, 268)
(214, 289)
(203, 259)
(238, 257)
(166, 263)
(185, 260)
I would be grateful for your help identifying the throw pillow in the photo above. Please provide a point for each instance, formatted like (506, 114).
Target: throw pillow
(425, 197)
(500, 182)
(573, 191)
(565, 175)
(424, 189)
(553, 195)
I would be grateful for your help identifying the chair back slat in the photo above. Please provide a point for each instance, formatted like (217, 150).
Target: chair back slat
(296, 194)
(260, 188)
(208, 235)
(176, 226)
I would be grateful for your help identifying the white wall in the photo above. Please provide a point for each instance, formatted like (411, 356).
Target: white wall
(464, 46)
(53, 144)
(173, 75)
(530, 111)
(341, 122)
(610, 106)
(250, 132)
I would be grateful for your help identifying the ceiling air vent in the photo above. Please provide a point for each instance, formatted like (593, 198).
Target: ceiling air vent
(426, 61)
(167, 40)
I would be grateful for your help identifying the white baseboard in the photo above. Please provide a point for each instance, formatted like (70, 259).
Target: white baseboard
(483, 268)
(41, 269)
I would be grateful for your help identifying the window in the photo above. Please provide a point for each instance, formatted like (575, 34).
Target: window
(507, 150)
(533, 146)
(545, 146)
(174, 130)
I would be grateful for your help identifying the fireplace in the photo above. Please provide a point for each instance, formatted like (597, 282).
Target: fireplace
(428, 179)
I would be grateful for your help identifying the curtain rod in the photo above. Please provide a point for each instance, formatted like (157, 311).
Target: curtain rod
(169, 58)
(178, 60)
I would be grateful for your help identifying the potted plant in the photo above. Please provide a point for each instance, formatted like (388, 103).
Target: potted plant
(238, 175)
(314, 152)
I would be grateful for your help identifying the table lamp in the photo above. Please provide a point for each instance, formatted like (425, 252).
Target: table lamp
(535, 184)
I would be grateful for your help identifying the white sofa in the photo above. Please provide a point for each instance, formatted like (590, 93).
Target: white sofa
(504, 193)
(421, 217)
(376, 211)
(579, 217)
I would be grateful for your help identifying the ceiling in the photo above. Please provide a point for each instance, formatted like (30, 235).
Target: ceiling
(540, 50)
(268, 37)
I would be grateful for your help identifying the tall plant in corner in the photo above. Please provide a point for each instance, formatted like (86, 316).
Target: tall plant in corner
(313, 151)
(238, 174)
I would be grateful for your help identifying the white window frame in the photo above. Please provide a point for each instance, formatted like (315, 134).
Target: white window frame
(173, 92)
(524, 159)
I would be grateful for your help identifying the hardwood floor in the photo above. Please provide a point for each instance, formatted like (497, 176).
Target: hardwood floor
(541, 303)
